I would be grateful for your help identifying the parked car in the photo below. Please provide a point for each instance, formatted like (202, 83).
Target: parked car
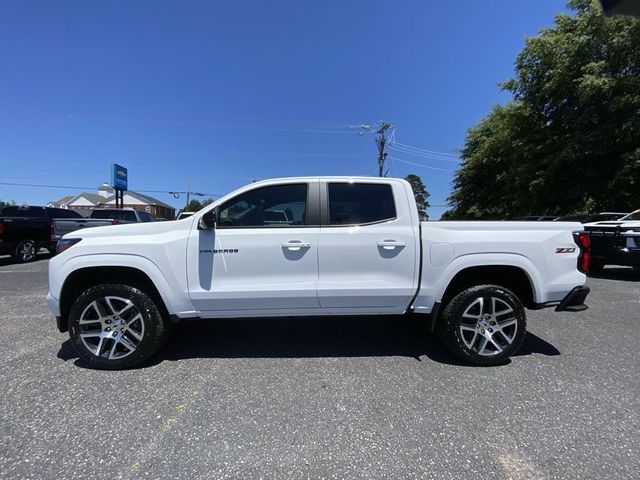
(122, 215)
(26, 229)
(536, 218)
(615, 242)
(605, 217)
(348, 246)
(99, 218)
(591, 217)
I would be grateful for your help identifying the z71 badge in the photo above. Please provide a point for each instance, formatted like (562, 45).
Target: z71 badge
(565, 249)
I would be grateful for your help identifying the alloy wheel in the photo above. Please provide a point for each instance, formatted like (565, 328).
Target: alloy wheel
(27, 251)
(488, 326)
(111, 327)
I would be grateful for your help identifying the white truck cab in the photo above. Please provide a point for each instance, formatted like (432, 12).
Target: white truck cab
(314, 246)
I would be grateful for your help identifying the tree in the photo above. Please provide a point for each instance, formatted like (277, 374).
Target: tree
(569, 141)
(9, 203)
(196, 205)
(420, 193)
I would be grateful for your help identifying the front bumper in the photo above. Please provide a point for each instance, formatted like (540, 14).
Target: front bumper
(54, 306)
(574, 301)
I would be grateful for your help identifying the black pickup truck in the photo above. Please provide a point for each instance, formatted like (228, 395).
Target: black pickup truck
(25, 229)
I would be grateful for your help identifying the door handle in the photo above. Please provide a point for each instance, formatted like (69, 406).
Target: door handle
(391, 244)
(295, 245)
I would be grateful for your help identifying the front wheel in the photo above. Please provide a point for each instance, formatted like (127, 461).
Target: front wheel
(483, 325)
(114, 326)
(25, 251)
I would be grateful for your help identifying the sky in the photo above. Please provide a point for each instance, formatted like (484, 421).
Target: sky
(217, 94)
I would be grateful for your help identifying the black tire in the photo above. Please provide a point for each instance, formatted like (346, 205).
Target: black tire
(596, 267)
(25, 251)
(504, 336)
(150, 329)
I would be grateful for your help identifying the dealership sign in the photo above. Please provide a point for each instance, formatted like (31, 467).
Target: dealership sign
(118, 177)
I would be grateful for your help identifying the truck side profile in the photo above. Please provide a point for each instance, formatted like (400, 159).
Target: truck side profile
(314, 246)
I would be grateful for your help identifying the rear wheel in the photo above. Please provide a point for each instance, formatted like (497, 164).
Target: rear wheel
(483, 325)
(115, 326)
(25, 251)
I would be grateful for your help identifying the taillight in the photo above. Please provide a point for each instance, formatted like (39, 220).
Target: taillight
(52, 230)
(114, 222)
(1, 229)
(583, 240)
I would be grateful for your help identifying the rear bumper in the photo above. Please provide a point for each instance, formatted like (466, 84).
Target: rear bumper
(574, 301)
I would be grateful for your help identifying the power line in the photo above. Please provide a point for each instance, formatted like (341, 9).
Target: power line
(92, 188)
(433, 152)
(422, 155)
(422, 165)
(272, 125)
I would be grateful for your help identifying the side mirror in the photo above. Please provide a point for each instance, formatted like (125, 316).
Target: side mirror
(208, 220)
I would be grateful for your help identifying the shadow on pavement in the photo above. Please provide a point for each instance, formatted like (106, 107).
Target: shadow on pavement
(618, 273)
(534, 344)
(307, 338)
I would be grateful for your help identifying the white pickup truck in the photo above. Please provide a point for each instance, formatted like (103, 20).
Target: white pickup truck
(346, 246)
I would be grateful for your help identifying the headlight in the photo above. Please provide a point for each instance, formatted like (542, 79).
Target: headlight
(65, 244)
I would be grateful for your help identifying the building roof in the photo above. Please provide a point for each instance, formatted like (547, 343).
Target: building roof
(96, 199)
(92, 197)
(62, 200)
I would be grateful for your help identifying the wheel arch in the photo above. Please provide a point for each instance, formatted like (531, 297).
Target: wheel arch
(511, 277)
(84, 278)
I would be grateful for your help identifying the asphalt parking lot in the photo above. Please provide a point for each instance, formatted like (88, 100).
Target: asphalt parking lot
(323, 398)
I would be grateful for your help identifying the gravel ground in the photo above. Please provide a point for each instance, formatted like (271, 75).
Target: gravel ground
(323, 398)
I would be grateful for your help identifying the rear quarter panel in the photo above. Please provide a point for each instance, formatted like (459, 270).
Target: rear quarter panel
(450, 247)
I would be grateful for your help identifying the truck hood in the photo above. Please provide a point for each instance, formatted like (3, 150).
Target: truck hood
(132, 229)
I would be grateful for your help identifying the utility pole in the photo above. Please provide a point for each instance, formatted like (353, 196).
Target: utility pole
(188, 193)
(381, 141)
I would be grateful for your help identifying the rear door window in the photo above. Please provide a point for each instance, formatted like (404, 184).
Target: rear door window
(360, 203)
